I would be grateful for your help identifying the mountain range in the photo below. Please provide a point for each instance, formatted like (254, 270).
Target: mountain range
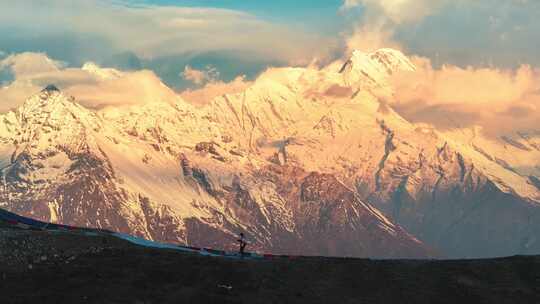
(304, 161)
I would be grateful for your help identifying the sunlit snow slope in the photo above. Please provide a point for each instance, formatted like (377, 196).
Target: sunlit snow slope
(304, 161)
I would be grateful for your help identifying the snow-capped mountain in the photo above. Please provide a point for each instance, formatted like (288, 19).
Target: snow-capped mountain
(304, 161)
(373, 69)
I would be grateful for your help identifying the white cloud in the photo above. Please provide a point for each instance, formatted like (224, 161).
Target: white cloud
(131, 88)
(371, 37)
(25, 64)
(198, 77)
(499, 100)
(381, 19)
(33, 71)
(214, 89)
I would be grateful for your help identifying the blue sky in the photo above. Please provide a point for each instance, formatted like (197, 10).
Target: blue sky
(285, 10)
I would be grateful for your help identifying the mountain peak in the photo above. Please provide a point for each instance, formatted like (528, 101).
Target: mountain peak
(374, 68)
(102, 73)
(48, 97)
(51, 104)
(385, 59)
(50, 118)
(50, 88)
(48, 91)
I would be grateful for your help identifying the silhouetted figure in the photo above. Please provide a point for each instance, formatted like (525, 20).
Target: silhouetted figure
(242, 242)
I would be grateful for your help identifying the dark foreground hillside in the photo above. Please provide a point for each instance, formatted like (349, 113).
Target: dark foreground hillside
(53, 267)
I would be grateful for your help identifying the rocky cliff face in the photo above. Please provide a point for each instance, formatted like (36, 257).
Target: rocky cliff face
(303, 161)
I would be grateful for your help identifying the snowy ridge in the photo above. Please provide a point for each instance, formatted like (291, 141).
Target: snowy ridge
(103, 73)
(301, 160)
(373, 69)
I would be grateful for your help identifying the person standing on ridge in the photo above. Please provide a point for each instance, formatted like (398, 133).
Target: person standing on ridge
(242, 242)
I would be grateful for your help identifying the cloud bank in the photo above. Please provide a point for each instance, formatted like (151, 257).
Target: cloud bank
(93, 87)
(499, 100)
(214, 89)
(152, 31)
(28, 63)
